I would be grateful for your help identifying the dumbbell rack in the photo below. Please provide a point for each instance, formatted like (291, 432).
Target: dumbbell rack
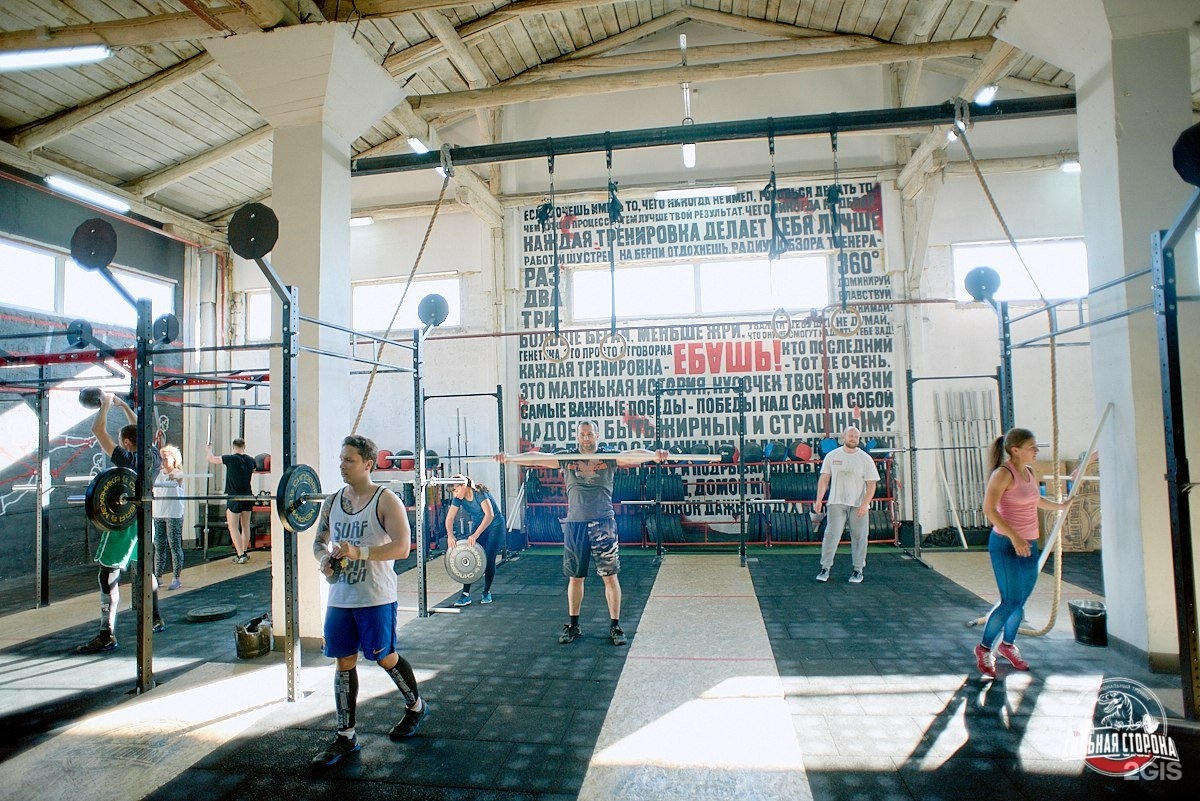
(795, 483)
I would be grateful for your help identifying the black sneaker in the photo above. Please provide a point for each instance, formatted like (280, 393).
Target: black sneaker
(617, 636)
(409, 724)
(160, 625)
(569, 634)
(104, 641)
(336, 750)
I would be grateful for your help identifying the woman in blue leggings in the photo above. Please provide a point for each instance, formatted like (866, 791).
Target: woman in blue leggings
(1011, 503)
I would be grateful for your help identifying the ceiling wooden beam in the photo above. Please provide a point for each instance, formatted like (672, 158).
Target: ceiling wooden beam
(436, 23)
(375, 9)
(431, 105)
(156, 29)
(759, 27)
(149, 184)
(707, 54)
(476, 194)
(998, 61)
(42, 132)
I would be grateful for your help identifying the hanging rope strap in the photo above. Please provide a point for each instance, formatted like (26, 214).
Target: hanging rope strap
(446, 168)
(833, 200)
(614, 346)
(555, 348)
(779, 243)
(962, 122)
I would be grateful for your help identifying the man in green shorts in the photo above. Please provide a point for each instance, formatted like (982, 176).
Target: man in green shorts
(117, 548)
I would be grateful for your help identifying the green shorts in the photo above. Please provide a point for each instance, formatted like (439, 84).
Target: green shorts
(117, 548)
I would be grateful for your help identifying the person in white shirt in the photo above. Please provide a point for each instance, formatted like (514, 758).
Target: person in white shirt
(850, 476)
(168, 515)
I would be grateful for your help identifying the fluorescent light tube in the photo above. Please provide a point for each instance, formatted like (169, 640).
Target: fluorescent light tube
(359, 222)
(417, 145)
(86, 193)
(52, 57)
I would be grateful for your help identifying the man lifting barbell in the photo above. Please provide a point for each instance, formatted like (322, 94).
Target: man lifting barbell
(117, 545)
(590, 528)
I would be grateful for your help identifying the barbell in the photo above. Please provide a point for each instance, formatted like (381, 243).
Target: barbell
(111, 501)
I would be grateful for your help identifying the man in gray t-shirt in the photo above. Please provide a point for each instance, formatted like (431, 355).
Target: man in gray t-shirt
(590, 527)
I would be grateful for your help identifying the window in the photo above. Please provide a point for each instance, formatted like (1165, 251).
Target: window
(27, 277)
(754, 286)
(657, 290)
(714, 288)
(43, 280)
(88, 295)
(375, 302)
(1058, 265)
(258, 316)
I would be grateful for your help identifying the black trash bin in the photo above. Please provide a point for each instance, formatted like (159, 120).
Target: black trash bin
(1090, 621)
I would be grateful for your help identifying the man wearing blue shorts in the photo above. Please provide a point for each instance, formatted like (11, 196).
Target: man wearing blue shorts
(363, 529)
(590, 527)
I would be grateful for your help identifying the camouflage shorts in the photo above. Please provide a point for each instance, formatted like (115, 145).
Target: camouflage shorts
(597, 540)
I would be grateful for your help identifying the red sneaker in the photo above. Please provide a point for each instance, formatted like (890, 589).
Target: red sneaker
(985, 660)
(1009, 651)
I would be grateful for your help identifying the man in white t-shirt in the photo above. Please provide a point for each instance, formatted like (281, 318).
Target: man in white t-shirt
(850, 476)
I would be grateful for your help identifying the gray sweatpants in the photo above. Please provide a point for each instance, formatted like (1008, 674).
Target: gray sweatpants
(837, 515)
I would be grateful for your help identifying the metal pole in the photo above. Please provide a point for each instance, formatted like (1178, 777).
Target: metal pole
(42, 532)
(741, 464)
(503, 470)
(657, 508)
(143, 584)
(913, 483)
(290, 356)
(1004, 373)
(1166, 308)
(422, 477)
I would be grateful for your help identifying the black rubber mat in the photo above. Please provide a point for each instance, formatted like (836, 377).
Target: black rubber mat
(515, 715)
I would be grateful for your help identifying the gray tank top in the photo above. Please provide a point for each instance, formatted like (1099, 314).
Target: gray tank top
(363, 582)
(589, 489)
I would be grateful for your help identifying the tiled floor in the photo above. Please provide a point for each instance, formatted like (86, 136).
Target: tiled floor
(876, 680)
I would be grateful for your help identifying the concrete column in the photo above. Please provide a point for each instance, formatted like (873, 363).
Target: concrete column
(1132, 73)
(319, 91)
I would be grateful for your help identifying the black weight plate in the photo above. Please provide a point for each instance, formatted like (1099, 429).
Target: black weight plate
(466, 563)
(296, 500)
(109, 499)
(207, 614)
(253, 231)
(94, 244)
(79, 334)
(166, 328)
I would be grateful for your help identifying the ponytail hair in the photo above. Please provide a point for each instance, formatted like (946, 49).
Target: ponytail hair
(998, 450)
(471, 483)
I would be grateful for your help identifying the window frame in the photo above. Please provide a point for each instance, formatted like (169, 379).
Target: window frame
(959, 291)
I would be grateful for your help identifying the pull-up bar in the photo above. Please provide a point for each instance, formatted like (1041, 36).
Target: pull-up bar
(869, 120)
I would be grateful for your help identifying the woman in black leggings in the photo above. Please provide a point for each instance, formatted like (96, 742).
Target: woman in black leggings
(487, 530)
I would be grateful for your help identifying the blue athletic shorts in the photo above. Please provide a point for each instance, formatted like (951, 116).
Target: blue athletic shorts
(370, 629)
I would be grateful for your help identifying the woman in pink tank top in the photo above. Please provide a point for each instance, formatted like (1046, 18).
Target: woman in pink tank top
(1011, 503)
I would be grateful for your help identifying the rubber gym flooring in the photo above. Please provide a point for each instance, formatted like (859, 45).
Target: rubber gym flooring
(877, 679)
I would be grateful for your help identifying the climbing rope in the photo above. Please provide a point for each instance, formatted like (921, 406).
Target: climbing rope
(448, 169)
(962, 122)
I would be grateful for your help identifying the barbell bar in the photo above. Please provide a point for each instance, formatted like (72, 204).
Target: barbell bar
(537, 456)
(111, 503)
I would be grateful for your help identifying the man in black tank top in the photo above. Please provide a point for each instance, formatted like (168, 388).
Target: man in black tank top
(363, 529)
(239, 467)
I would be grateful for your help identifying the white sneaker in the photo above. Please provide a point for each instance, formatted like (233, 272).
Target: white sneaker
(823, 575)
(856, 577)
